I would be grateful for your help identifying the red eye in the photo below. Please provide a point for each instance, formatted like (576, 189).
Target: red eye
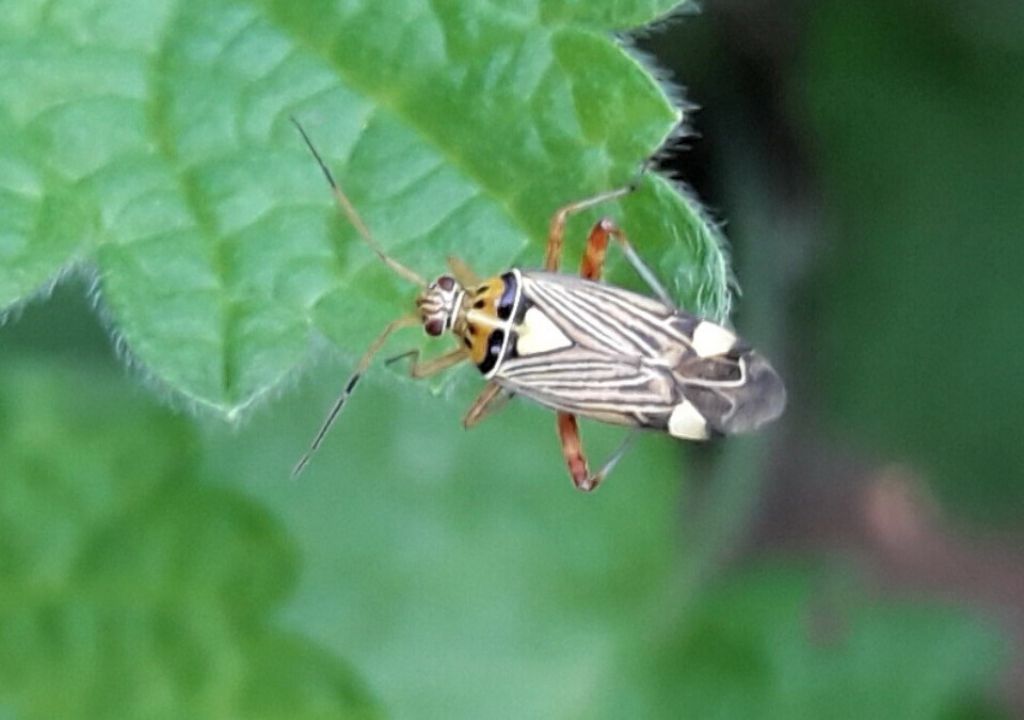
(434, 327)
(446, 283)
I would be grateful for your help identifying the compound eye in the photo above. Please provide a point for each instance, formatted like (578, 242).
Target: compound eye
(434, 327)
(446, 283)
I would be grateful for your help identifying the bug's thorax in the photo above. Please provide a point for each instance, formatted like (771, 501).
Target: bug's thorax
(484, 319)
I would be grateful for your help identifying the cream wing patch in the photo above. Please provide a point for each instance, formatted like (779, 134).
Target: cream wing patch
(710, 339)
(537, 334)
(686, 422)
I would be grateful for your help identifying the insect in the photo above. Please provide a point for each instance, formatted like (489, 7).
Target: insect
(578, 346)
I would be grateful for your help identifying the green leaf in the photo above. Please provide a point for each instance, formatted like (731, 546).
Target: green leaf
(150, 142)
(614, 15)
(127, 587)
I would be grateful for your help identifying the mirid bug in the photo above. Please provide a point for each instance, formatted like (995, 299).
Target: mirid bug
(579, 346)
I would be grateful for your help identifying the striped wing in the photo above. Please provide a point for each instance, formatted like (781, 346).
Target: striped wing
(593, 384)
(609, 354)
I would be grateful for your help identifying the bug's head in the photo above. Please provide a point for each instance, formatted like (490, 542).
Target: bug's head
(438, 304)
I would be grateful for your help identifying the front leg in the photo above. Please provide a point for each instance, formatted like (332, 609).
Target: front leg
(425, 368)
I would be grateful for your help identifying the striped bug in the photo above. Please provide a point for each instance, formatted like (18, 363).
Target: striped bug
(578, 346)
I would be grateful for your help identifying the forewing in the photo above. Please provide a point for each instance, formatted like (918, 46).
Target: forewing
(605, 318)
(623, 391)
(633, 356)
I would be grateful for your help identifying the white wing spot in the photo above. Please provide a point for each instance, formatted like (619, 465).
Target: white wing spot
(710, 339)
(686, 422)
(538, 334)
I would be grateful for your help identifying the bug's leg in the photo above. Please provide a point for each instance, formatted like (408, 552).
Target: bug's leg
(364, 363)
(572, 449)
(590, 268)
(425, 368)
(613, 460)
(462, 273)
(568, 429)
(556, 230)
(592, 264)
(491, 399)
(597, 244)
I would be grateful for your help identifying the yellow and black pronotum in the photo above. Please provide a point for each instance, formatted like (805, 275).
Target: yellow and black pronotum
(580, 347)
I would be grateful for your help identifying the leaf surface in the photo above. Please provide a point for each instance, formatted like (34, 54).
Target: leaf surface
(150, 142)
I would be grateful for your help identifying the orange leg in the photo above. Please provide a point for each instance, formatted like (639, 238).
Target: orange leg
(491, 399)
(572, 450)
(597, 245)
(419, 369)
(568, 428)
(556, 231)
(591, 267)
(592, 264)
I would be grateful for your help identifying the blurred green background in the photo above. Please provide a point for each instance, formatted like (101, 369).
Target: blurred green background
(861, 559)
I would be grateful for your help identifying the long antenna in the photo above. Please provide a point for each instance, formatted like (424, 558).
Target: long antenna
(353, 216)
(364, 363)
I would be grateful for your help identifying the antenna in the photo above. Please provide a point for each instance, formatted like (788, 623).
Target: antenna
(353, 215)
(364, 363)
